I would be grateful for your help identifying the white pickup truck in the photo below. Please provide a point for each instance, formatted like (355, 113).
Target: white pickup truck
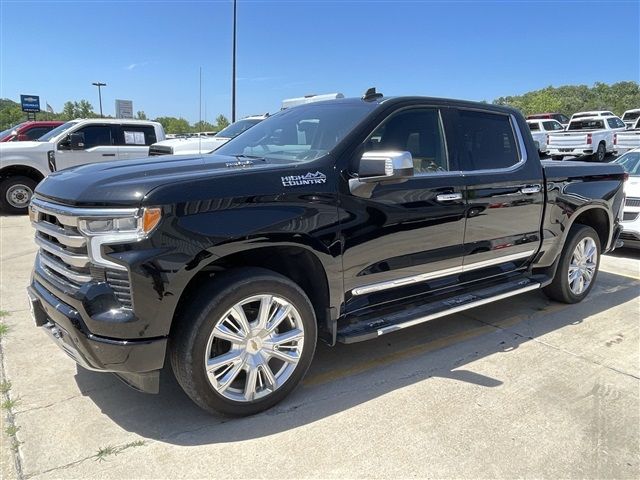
(24, 164)
(627, 140)
(540, 130)
(630, 117)
(585, 136)
(201, 144)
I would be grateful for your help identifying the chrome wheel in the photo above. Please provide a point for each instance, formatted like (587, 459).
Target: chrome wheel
(19, 196)
(583, 265)
(254, 348)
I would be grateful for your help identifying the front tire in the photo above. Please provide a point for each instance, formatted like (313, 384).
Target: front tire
(578, 266)
(16, 193)
(244, 342)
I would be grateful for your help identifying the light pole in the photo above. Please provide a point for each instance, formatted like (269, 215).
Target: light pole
(233, 74)
(99, 85)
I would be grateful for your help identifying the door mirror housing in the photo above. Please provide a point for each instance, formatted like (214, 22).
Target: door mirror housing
(385, 166)
(76, 141)
(381, 167)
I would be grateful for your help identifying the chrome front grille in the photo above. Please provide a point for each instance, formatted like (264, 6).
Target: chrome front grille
(632, 202)
(64, 255)
(155, 150)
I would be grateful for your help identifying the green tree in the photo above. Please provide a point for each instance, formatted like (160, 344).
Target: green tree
(204, 127)
(221, 122)
(569, 99)
(84, 109)
(69, 111)
(10, 114)
(174, 125)
(140, 115)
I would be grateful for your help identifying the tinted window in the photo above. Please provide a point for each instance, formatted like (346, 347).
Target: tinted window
(96, 135)
(484, 140)
(136, 135)
(561, 118)
(534, 127)
(586, 124)
(36, 133)
(418, 131)
(552, 126)
(57, 131)
(615, 122)
(627, 116)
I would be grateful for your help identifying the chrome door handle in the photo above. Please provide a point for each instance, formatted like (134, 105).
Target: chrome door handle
(531, 189)
(448, 197)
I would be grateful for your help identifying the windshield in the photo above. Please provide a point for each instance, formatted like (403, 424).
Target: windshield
(631, 115)
(56, 131)
(630, 161)
(237, 128)
(299, 134)
(7, 132)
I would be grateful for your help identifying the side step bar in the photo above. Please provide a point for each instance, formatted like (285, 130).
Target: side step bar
(369, 328)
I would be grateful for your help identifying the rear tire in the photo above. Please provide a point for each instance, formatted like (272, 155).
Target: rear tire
(578, 266)
(247, 371)
(16, 193)
(601, 153)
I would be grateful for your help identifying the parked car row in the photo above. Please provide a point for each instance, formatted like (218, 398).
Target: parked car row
(592, 133)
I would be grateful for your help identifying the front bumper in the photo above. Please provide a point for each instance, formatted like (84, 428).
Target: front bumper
(631, 228)
(136, 362)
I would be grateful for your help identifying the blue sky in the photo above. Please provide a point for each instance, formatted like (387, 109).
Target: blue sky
(151, 51)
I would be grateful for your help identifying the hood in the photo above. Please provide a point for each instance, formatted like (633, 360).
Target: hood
(126, 182)
(632, 186)
(18, 147)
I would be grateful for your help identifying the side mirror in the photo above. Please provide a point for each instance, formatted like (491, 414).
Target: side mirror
(381, 167)
(76, 141)
(389, 166)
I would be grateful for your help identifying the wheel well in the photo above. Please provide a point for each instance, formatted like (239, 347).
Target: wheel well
(296, 263)
(597, 219)
(23, 170)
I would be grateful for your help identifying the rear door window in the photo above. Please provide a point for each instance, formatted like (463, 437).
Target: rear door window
(135, 135)
(484, 140)
(534, 127)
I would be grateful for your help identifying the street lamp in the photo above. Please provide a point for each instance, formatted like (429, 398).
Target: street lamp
(100, 84)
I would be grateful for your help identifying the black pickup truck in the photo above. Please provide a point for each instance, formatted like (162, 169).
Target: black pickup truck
(341, 220)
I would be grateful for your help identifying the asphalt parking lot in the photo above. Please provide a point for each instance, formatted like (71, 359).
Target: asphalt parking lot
(521, 388)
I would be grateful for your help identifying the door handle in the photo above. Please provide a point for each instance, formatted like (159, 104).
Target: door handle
(448, 197)
(531, 189)
(108, 154)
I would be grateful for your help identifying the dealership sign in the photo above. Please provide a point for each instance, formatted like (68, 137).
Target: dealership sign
(30, 103)
(124, 109)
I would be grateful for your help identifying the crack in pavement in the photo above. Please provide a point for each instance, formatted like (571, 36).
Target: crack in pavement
(15, 452)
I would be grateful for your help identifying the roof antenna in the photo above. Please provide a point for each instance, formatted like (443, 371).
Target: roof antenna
(371, 94)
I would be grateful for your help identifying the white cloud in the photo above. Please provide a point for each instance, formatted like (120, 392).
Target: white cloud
(131, 66)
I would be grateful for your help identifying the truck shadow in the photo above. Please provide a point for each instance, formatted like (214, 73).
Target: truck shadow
(346, 376)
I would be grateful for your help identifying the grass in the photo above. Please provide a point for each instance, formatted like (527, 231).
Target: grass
(5, 387)
(12, 430)
(109, 450)
(4, 329)
(9, 403)
(4, 313)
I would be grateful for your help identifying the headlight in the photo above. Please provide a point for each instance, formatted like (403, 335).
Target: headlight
(141, 224)
(117, 229)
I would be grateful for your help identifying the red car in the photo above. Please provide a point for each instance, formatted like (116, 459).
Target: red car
(28, 131)
(561, 117)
